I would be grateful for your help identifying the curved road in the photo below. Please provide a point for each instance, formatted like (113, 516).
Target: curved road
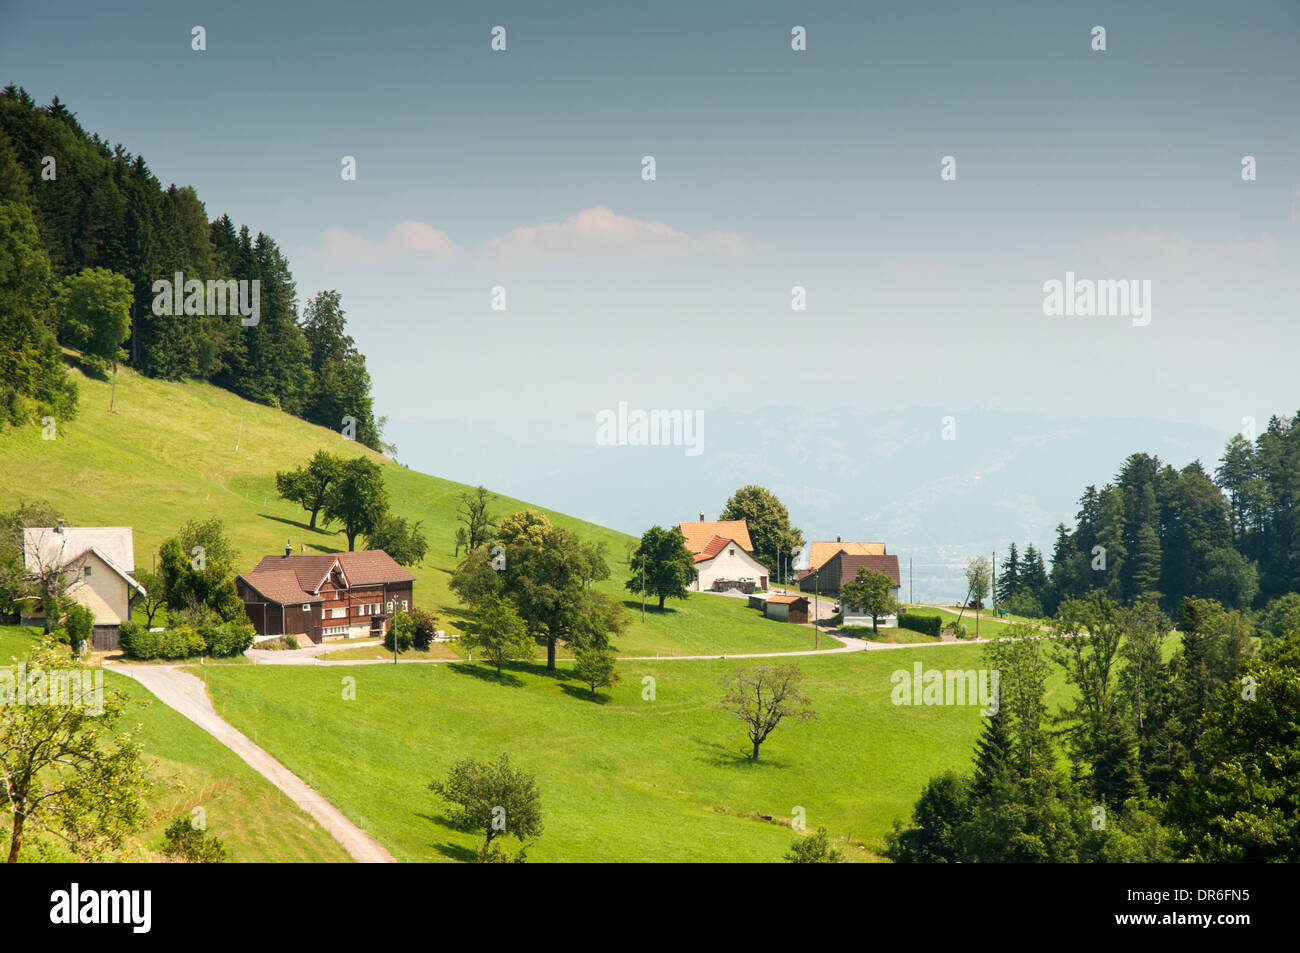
(189, 696)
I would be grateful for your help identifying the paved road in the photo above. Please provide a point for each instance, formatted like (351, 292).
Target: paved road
(189, 696)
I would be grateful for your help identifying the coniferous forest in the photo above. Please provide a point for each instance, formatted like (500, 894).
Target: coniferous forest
(73, 206)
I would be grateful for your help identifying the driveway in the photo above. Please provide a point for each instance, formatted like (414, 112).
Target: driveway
(189, 696)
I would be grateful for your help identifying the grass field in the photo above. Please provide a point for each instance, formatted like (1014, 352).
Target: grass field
(990, 626)
(190, 768)
(171, 452)
(622, 778)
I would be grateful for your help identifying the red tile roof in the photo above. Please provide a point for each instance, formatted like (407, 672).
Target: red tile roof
(700, 535)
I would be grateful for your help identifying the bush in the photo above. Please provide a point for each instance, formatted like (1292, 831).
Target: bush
(80, 625)
(927, 624)
(183, 843)
(92, 365)
(1023, 604)
(425, 624)
(291, 641)
(225, 639)
(139, 643)
(403, 629)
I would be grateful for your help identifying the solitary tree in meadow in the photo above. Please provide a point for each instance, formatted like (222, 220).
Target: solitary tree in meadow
(357, 499)
(309, 486)
(764, 697)
(473, 511)
(493, 800)
(595, 668)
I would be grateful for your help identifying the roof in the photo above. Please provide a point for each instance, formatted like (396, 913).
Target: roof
(842, 568)
(700, 534)
(787, 600)
(279, 585)
(290, 579)
(715, 546)
(819, 552)
(48, 546)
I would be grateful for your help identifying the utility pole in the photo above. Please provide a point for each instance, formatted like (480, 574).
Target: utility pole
(911, 596)
(643, 587)
(993, 585)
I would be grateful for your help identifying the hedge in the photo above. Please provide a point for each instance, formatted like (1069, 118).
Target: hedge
(927, 624)
(220, 640)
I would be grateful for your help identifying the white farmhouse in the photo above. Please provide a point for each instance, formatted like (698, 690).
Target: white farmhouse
(724, 556)
(96, 563)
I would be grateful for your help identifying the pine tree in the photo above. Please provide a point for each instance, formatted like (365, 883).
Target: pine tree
(1008, 583)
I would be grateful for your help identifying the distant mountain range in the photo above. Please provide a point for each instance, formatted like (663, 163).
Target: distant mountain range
(888, 476)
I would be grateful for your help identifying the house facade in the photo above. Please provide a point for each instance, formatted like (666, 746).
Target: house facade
(96, 563)
(724, 557)
(843, 567)
(326, 596)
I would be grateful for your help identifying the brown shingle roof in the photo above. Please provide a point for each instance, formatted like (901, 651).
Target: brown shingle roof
(700, 535)
(787, 600)
(279, 585)
(369, 567)
(290, 579)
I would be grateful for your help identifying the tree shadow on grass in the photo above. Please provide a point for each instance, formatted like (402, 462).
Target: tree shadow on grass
(446, 848)
(651, 607)
(299, 524)
(583, 693)
(731, 756)
(484, 672)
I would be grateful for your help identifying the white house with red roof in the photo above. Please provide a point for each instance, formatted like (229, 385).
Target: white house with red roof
(724, 556)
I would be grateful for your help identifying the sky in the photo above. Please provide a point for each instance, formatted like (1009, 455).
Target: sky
(522, 169)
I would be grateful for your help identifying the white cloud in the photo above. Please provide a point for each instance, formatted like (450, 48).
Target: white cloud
(598, 232)
(594, 233)
(404, 238)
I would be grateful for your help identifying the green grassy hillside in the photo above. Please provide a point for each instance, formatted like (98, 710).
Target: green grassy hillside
(621, 779)
(254, 820)
(170, 452)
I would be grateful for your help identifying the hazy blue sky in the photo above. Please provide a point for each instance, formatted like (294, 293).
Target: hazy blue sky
(775, 168)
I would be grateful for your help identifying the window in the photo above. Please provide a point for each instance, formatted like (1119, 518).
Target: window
(88, 569)
(306, 607)
(731, 552)
(403, 605)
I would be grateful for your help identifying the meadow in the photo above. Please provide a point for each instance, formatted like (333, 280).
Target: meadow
(190, 768)
(623, 777)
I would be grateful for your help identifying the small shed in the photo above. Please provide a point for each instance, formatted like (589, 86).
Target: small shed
(787, 609)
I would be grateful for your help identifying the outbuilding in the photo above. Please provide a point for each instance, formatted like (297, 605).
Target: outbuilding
(787, 609)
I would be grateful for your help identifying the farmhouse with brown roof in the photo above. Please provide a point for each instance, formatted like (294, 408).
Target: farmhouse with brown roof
(326, 596)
